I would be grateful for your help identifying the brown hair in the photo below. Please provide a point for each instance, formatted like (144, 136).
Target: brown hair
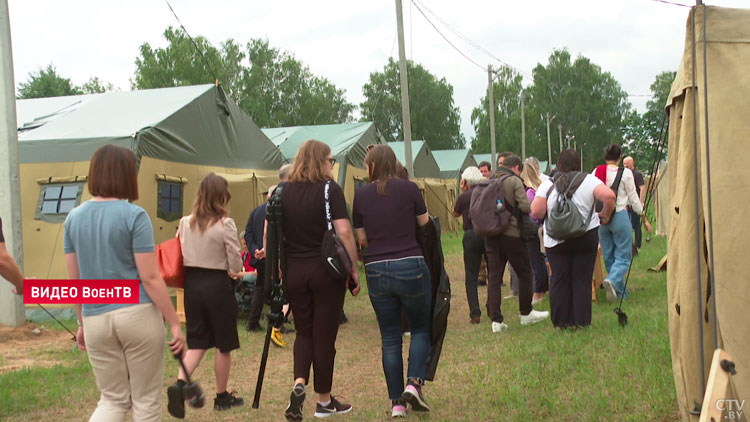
(311, 163)
(386, 166)
(530, 177)
(112, 173)
(512, 160)
(612, 152)
(211, 201)
(568, 160)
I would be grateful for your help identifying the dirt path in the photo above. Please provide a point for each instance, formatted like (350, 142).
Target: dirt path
(29, 346)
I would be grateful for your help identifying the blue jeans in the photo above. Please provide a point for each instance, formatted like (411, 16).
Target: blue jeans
(616, 239)
(395, 285)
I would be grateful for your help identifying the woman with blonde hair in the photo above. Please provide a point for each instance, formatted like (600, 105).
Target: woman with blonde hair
(386, 214)
(211, 255)
(316, 298)
(107, 237)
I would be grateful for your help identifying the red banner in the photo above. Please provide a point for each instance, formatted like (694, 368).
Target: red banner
(80, 291)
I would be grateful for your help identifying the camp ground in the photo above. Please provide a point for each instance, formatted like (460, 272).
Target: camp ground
(453, 161)
(348, 142)
(178, 134)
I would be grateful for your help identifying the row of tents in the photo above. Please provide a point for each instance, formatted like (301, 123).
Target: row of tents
(179, 135)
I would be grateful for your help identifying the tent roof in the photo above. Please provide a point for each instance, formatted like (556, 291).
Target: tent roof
(483, 157)
(192, 124)
(453, 161)
(347, 140)
(423, 161)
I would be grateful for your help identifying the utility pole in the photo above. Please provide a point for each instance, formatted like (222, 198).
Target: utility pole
(559, 129)
(11, 308)
(549, 143)
(404, 90)
(491, 94)
(523, 126)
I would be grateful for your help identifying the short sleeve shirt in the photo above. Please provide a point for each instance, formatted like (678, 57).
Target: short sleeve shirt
(583, 198)
(638, 178)
(389, 220)
(304, 219)
(104, 235)
(462, 207)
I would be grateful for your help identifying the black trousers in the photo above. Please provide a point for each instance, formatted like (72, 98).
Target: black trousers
(501, 250)
(473, 251)
(635, 221)
(541, 277)
(572, 265)
(256, 303)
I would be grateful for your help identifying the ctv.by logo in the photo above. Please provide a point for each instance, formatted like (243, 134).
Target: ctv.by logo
(733, 407)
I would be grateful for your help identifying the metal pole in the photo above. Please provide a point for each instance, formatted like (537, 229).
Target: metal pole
(491, 95)
(549, 145)
(523, 126)
(559, 129)
(11, 308)
(404, 90)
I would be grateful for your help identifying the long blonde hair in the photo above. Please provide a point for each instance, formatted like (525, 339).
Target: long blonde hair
(311, 163)
(530, 176)
(211, 202)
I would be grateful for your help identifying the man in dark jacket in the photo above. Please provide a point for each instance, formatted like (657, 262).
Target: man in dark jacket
(508, 247)
(254, 241)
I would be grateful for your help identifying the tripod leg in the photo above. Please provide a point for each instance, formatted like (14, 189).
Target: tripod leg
(262, 369)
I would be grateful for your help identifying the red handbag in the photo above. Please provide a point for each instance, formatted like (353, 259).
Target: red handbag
(169, 258)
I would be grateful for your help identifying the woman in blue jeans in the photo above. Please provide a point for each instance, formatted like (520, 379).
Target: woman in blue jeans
(386, 214)
(616, 237)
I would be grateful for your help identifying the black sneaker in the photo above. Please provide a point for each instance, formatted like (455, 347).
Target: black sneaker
(333, 408)
(296, 401)
(413, 395)
(176, 403)
(225, 401)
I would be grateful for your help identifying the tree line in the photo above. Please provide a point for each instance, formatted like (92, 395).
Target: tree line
(586, 106)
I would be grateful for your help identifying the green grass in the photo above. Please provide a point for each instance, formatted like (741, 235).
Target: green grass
(602, 373)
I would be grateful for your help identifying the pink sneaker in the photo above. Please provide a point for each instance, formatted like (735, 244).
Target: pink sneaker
(398, 410)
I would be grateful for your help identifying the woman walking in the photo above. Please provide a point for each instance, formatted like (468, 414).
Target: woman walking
(531, 181)
(107, 237)
(572, 260)
(316, 298)
(211, 255)
(386, 213)
(616, 237)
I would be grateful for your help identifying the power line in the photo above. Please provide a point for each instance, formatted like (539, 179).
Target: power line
(470, 41)
(672, 3)
(203, 58)
(446, 39)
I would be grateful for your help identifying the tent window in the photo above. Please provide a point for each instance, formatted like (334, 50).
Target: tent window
(57, 200)
(170, 200)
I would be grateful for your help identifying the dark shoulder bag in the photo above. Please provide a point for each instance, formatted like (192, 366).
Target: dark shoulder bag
(615, 187)
(332, 251)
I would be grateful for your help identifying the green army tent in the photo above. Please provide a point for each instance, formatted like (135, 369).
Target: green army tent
(453, 161)
(422, 159)
(178, 134)
(483, 157)
(348, 142)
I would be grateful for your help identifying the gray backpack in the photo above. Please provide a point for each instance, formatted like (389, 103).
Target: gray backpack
(564, 221)
(487, 197)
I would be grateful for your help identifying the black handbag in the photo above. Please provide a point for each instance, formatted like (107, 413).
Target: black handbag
(332, 251)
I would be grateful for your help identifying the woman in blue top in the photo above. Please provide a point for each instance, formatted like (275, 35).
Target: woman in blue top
(107, 237)
(386, 213)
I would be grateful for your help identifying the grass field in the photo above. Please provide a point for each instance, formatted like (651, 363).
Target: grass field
(603, 373)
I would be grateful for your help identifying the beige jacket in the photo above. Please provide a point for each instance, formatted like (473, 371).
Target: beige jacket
(216, 248)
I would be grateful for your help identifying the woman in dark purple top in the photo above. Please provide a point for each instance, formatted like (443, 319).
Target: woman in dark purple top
(386, 213)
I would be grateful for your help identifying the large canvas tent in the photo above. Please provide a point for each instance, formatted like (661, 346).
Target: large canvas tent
(348, 142)
(422, 159)
(178, 134)
(706, 226)
(453, 161)
(543, 165)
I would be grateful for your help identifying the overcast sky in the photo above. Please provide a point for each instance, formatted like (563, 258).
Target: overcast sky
(345, 40)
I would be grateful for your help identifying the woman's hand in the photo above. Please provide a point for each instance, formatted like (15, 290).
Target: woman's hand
(177, 344)
(603, 218)
(353, 280)
(80, 340)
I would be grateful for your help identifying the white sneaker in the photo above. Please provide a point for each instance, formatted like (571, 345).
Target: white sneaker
(499, 326)
(533, 317)
(610, 291)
